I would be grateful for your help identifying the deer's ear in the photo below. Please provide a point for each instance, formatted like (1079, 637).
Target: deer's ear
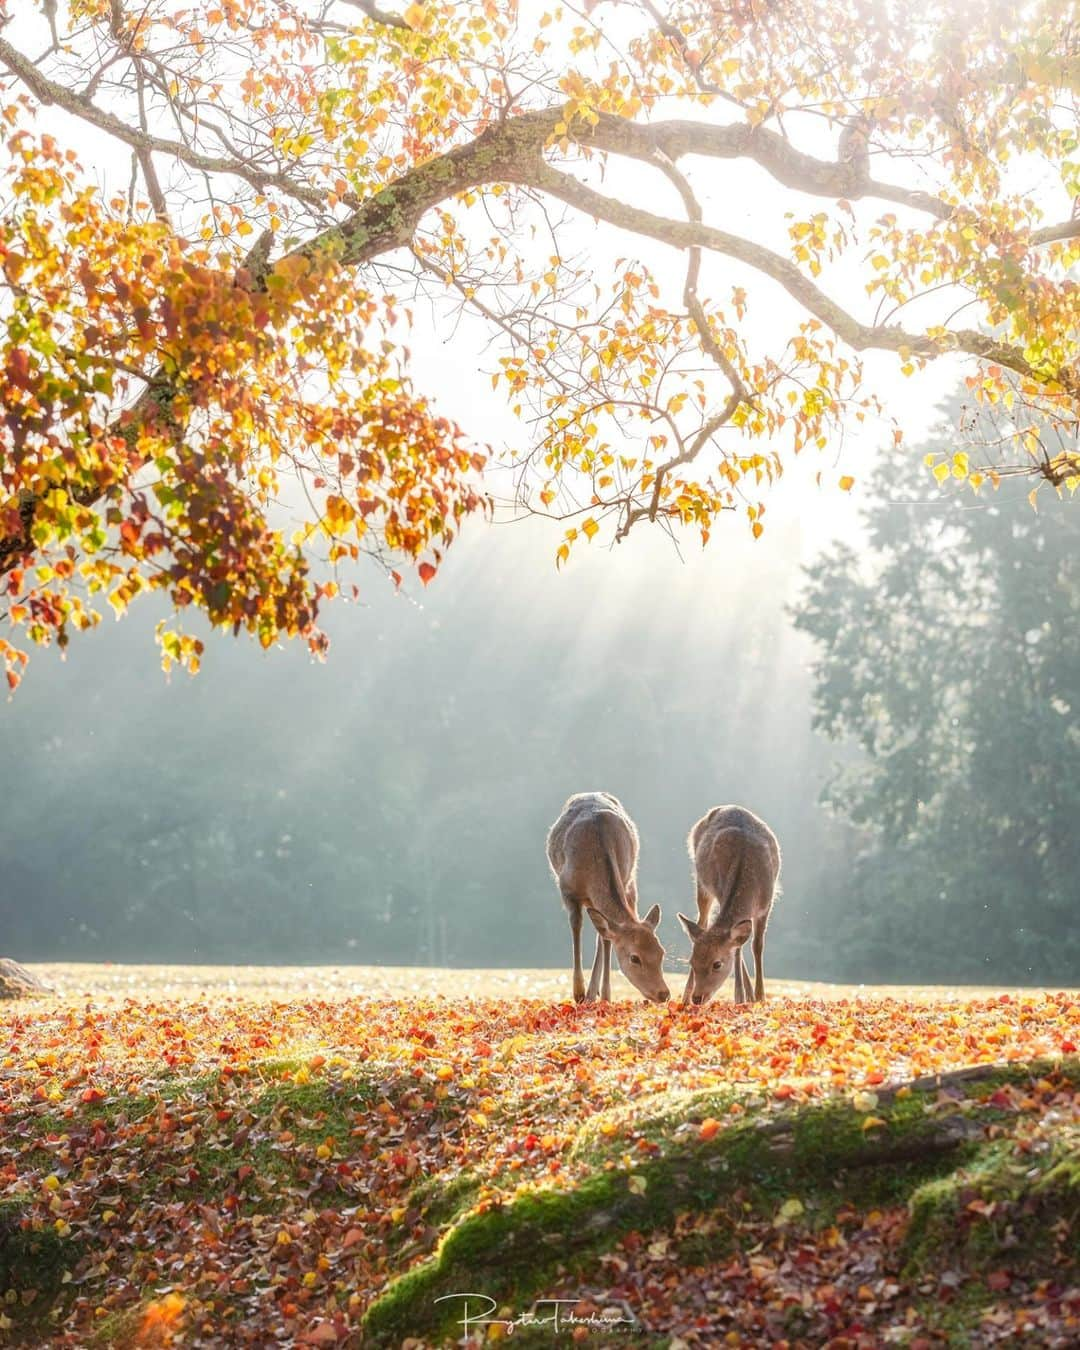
(693, 930)
(653, 917)
(604, 928)
(741, 932)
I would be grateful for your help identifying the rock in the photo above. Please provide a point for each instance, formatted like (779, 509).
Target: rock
(17, 982)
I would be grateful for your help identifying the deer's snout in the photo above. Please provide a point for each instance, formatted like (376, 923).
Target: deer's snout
(663, 996)
(699, 998)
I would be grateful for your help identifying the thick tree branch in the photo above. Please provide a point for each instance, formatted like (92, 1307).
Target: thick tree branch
(384, 222)
(1065, 229)
(377, 15)
(512, 151)
(773, 152)
(862, 337)
(675, 139)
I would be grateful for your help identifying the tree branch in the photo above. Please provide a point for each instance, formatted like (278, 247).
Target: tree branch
(382, 223)
(862, 337)
(738, 395)
(773, 152)
(143, 143)
(377, 15)
(512, 151)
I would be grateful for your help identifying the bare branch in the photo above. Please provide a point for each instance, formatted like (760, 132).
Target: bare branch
(51, 92)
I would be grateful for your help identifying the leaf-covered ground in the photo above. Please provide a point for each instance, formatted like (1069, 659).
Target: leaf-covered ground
(246, 1170)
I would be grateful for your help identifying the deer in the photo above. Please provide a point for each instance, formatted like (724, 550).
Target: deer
(593, 852)
(736, 861)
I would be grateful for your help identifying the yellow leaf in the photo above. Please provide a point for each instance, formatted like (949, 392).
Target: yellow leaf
(637, 1185)
(847, 483)
(590, 527)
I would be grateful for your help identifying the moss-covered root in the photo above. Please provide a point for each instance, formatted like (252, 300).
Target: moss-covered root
(513, 1250)
(32, 1264)
(1006, 1208)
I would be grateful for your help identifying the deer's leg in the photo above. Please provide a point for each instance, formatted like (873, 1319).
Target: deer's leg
(605, 986)
(759, 953)
(594, 979)
(574, 911)
(740, 988)
(745, 977)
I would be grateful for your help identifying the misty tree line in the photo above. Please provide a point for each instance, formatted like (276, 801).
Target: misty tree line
(392, 805)
(952, 662)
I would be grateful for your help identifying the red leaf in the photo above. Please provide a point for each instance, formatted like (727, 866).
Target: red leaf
(426, 572)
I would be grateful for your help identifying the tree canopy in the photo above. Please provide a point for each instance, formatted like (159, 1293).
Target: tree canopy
(949, 655)
(206, 387)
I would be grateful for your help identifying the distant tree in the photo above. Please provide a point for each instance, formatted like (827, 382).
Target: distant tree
(950, 656)
(189, 346)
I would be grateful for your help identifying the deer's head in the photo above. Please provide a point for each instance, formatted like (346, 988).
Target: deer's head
(713, 956)
(640, 955)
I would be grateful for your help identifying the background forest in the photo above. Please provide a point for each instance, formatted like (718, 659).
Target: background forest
(391, 805)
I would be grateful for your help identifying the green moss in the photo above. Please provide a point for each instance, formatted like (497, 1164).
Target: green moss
(656, 1119)
(442, 1201)
(1020, 1209)
(516, 1249)
(121, 1328)
(956, 1320)
(33, 1259)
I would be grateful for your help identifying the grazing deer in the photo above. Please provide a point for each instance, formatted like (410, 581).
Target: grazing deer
(736, 866)
(593, 851)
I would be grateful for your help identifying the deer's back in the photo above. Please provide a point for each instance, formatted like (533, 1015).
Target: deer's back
(592, 829)
(731, 840)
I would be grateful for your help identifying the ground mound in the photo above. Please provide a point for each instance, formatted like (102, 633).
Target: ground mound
(232, 1170)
